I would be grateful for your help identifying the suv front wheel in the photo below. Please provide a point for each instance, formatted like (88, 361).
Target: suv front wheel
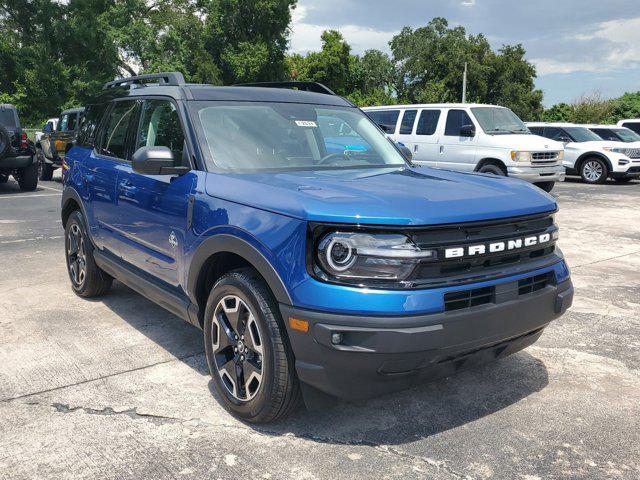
(594, 170)
(247, 349)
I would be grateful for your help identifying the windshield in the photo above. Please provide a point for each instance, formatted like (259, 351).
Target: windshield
(499, 120)
(280, 136)
(626, 135)
(581, 134)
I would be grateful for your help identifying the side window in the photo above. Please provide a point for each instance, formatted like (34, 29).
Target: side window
(537, 131)
(428, 122)
(114, 137)
(456, 119)
(408, 119)
(89, 123)
(387, 119)
(635, 126)
(62, 124)
(554, 133)
(160, 127)
(71, 123)
(605, 134)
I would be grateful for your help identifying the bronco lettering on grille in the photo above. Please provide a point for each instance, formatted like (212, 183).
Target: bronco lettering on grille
(495, 247)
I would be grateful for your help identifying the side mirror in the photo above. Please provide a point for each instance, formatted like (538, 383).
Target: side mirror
(47, 128)
(467, 131)
(155, 161)
(406, 151)
(385, 128)
(564, 139)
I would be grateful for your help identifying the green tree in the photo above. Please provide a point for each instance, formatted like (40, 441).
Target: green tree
(626, 106)
(560, 112)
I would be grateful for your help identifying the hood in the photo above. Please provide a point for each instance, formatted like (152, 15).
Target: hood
(595, 145)
(532, 143)
(389, 196)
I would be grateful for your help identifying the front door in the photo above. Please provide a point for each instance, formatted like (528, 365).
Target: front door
(456, 152)
(154, 209)
(425, 140)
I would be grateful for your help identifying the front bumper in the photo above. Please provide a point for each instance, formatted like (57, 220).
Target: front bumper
(378, 355)
(632, 172)
(538, 174)
(19, 161)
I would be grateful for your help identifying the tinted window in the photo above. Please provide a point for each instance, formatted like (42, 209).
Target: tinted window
(7, 118)
(555, 133)
(71, 123)
(581, 134)
(626, 135)
(494, 120)
(606, 134)
(408, 119)
(635, 126)
(456, 119)
(90, 122)
(428, 122)
(387, 119)
(536, 131)
(160, 127)
(114, 137)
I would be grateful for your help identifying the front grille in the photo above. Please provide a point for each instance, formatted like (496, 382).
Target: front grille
(468, 298)
(545, 155)
(533, 284)
(479, 267)
(631, 152)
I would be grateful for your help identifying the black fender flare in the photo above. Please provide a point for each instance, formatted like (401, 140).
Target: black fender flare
(592, 154)
(225, 243)
(70, 194)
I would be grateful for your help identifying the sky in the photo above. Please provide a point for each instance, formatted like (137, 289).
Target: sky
(578, 46)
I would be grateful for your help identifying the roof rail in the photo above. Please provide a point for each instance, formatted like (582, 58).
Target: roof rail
(304, 86)
(166, 78)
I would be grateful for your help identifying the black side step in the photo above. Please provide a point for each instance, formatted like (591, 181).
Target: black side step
(168, 300)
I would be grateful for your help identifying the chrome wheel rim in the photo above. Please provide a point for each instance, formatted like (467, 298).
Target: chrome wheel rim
(237, 348)
(76, 255)
(592, 171)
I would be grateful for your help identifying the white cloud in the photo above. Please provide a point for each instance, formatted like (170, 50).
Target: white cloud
(305, 37)
(617, 45)
(468, 3)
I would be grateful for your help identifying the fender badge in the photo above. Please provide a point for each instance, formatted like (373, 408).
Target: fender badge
(173, 240)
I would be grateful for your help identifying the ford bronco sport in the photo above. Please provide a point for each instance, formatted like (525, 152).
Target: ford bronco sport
(312, 271)
(17, 152)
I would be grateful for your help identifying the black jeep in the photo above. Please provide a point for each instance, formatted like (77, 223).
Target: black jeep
(17, 152)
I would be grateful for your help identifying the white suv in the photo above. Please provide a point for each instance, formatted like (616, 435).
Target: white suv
(587, 155)
(631, 124)
(472, 138)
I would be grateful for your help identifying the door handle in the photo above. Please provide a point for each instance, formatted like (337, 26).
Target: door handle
(415, 148)
(441, 148)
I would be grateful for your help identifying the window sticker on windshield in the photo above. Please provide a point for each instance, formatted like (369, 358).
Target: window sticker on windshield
(306, 123)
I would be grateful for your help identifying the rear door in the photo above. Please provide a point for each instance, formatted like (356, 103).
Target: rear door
(457, 152)
(426, 137)
(154, 209)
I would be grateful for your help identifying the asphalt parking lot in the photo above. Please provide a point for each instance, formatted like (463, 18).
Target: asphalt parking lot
(118, 388)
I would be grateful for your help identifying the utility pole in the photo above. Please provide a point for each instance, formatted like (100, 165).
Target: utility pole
(464, 84)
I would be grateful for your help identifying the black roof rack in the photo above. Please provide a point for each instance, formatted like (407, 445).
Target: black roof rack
(304, 86)
(166, 78)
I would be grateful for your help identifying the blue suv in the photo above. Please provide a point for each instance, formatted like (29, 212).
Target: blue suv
(317, 266)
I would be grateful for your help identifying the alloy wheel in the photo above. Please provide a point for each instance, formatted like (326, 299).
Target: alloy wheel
(592, 170)
(76, 255)
(237, 348)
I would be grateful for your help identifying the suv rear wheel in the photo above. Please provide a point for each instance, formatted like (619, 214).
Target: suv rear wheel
(594, 170)
(28, 177)
(87, 279)
(247, 349)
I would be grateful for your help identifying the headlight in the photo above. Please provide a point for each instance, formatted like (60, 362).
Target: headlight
(346, 255)
(518, 156)
(623, 151)
(561, 155)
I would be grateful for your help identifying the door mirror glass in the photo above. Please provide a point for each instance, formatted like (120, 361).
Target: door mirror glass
(156, 161)
(406, 151)
(564, 139)
(467, 131)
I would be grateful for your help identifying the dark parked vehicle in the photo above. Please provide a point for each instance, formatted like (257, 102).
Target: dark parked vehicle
(54, 144)
(313, 269)
(17, 152)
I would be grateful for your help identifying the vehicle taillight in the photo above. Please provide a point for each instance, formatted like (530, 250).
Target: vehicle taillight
(23, 141)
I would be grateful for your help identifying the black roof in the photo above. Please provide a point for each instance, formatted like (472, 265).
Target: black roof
(172, 84)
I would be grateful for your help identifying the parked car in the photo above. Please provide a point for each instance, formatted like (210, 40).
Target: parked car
(17, 152)
(587, 155)
(631, 124)
(56, 142)
(613, 133)
(472, 138)
(311, 270)
(52, 125)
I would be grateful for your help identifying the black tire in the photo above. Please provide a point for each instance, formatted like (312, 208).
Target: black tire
(46, 170)
(28, 177)
(278, 390)
(5, 142)
(546, 186)
(594, 170)
(492, 169)
(623, 179)
(95, 282)
(4, 178)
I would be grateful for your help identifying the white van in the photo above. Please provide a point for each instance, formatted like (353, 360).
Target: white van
(472, 138)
